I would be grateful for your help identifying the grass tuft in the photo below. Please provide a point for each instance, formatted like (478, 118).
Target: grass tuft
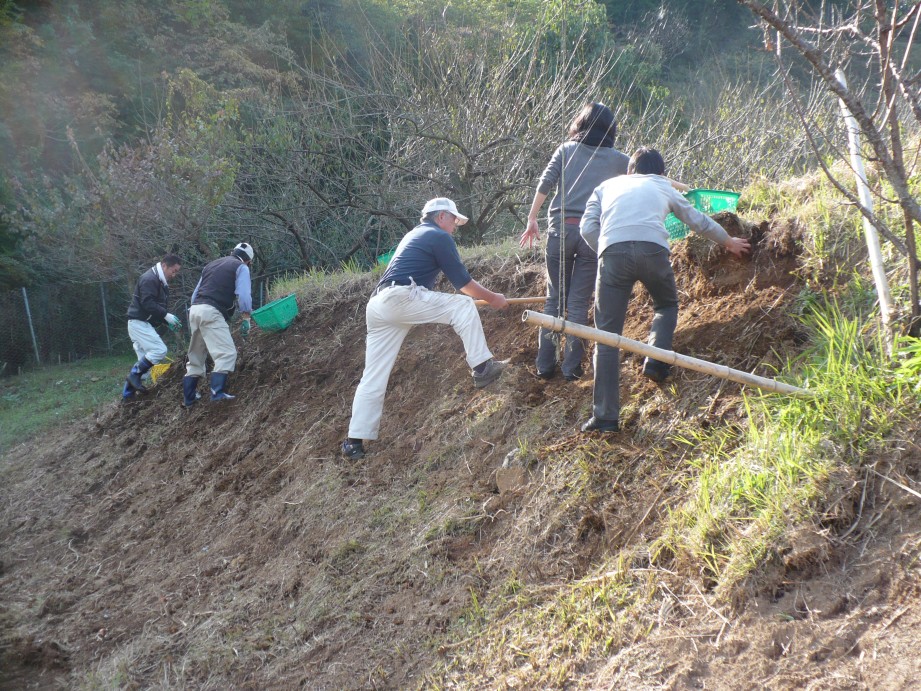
(751, 491)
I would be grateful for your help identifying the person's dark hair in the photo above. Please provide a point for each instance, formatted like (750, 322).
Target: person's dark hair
(171, 259)
(594, 126)
(646, 162)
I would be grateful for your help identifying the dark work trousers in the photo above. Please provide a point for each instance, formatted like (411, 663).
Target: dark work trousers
(580, 264)
(619, 267)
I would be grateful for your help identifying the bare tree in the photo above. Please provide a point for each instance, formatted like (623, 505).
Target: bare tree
(874, 41)
(469, 117)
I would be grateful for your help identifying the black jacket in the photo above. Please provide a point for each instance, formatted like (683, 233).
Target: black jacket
(150, 298)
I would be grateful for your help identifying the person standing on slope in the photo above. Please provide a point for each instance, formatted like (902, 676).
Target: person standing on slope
(147, 311)
(576, 168)
(221, 282)
(404, 298)
(624, 221)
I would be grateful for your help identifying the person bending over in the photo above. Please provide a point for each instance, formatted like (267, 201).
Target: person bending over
(404, 298)
(624, 221)
(147, 311)
(225, 284)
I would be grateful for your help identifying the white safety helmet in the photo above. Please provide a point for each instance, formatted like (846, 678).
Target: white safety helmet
(244, 250)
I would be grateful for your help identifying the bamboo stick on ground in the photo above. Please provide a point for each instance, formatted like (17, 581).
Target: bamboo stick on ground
(617, 341)
(516, 301)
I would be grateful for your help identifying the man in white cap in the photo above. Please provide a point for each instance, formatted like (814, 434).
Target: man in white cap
(404, 298)
(212, 305)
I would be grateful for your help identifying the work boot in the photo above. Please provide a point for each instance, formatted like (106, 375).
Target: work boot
(487, 372)
(218, 382)
(575, 375)
(139, 370)
(190, 393)
(655, 370)
(127, 392)
(596, 424)
(353, 449)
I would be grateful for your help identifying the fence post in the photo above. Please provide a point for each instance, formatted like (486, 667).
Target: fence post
(105, 315)
(25, 299)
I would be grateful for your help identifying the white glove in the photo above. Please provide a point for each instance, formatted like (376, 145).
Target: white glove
(172, 320)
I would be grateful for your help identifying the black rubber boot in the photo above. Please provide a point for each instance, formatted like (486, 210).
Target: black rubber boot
(655, 370)
(353, 449)
(190, 393)
(596, 424)
(139, 370)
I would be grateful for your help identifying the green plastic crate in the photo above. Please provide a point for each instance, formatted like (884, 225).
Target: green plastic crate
(384, 259)
(705, 201)
(277, 315)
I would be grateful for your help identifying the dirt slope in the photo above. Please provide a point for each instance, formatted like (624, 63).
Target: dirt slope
(229, 546)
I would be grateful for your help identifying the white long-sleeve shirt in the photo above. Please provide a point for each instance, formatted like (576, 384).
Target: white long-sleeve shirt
(632, 208)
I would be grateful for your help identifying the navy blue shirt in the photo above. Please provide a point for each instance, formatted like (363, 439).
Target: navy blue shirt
(423, 252)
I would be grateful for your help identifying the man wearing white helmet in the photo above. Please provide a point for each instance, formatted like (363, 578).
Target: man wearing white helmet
(212, 306)
(404, 298)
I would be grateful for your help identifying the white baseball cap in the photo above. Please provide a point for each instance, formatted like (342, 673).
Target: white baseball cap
(444, 204)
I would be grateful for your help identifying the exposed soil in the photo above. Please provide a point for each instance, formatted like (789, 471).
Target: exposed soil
(229, 546)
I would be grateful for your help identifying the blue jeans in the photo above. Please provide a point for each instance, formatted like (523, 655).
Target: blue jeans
(580, 264)
(619, 267)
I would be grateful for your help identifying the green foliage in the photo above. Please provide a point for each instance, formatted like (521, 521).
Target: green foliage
(161, 196)
(13, 272)
(907, 372)
(317, 129)
(55, 395)
(198, 13)
(750, 493)
(9, 13)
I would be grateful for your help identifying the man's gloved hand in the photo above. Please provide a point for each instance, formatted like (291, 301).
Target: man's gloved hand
(173, 322)
(244, 328)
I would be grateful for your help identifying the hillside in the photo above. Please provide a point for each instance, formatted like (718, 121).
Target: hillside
(228, 546)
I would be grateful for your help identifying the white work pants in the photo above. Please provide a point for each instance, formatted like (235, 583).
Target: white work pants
(146, 341)
(390, 315)
(209, 334)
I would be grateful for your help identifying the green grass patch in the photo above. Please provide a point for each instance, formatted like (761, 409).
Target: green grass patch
(751, 491)
(39, 400)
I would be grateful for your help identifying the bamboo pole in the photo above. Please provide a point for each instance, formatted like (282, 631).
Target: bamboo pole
(25, 299)
(515, 301)
(105, 315)
(872, 238)
(617, 341)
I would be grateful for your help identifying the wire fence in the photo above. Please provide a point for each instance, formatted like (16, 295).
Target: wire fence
(53, 324)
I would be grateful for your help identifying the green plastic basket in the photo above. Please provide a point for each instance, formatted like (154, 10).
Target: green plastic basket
(706, 201)
(385, 258)
(277, 315)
